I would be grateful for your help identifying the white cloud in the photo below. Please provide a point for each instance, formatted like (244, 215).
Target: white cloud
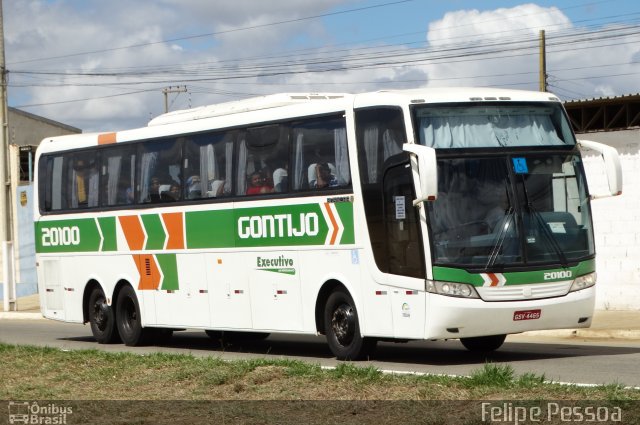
(62, 28)
(568, 59)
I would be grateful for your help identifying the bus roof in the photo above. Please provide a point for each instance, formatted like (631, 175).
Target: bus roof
(285, 106)
(392, 97)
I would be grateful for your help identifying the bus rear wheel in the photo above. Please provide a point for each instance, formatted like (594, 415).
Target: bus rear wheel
(483, 343)
(101, 318)
(128, 319)
(342, 328)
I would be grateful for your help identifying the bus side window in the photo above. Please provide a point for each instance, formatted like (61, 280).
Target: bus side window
(264, 160)
(83, 181)
(209, 165)
(159, 167)
(118, 172)
(320, 154)
(51, 183)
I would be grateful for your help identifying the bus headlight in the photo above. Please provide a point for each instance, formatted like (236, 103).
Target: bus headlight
(583, 282)
(451, 289)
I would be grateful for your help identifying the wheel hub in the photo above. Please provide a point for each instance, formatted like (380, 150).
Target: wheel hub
(101, 314)
(343, 324)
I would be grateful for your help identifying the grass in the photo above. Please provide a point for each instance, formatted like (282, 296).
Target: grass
(48, 373)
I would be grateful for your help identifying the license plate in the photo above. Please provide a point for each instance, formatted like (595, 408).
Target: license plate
(527, 315)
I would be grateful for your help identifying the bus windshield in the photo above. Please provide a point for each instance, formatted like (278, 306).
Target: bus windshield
(510, 210)
(493, 125)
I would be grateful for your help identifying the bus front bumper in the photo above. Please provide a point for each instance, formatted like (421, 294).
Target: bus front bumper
(450, 317)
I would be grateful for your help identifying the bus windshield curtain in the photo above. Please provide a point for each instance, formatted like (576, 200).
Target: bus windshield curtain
(371, 152)
(242, 167)
(299, 165)
(343, 174)
(488, 131)
(390, 147)
(147, 166)
(113, 173)
(228, 167)
(208, 169)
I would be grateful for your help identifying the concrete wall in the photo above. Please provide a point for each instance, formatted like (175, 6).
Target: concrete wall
(28, 129)
(25, 129)
(616, 223)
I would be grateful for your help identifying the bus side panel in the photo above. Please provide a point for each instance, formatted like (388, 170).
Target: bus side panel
(50, 287)
(228, 286)
(408, 313)
(342, 266)
(274, 283)
(181, 298)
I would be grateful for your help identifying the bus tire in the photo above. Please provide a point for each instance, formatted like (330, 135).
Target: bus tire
(128, 319)
(342, 328)
(101, 318)
(483, 343)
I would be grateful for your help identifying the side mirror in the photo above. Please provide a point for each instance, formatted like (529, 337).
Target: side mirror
(611, 164)
(423, 161)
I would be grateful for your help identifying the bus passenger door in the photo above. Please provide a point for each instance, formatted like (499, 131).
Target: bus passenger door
(404, 252)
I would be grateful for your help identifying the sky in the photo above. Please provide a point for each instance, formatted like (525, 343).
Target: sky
(103, 65)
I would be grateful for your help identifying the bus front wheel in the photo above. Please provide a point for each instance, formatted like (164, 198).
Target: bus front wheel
(483, 343)
(128, 319)
(343, 329)
(101, 318)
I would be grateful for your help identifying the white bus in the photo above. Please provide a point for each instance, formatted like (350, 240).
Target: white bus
(406, 215)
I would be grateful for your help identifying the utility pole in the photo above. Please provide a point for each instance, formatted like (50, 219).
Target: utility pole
(5, 208)
(170, 89)
(543, 62)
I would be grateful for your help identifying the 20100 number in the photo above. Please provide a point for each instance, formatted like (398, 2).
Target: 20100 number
(56, 236)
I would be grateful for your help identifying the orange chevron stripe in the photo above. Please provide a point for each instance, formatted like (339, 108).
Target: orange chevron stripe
(494, 279)
(133, 231)
(150, 276)
(333, 222)
(174, 225)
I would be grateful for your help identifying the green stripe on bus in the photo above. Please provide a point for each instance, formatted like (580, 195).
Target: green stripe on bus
(79, 235)
(450, 274)
(108, 229)
(169, 268)
(156, 235)
(283, 225)
(209, 229)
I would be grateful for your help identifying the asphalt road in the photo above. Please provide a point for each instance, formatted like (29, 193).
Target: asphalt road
(559, 360)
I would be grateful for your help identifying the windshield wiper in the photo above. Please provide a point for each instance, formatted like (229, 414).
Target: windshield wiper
(545, 228)
(505, 225)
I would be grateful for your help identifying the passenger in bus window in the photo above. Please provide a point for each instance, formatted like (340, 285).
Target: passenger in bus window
(125, 192)
(281, 179)
(154, 190)
(194, 188)
(217, 189)
(80, 170)
(324, 177)
(258, 184)
(174, 192)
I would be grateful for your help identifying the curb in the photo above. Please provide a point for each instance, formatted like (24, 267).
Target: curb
(627, 334)
(18, 315)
